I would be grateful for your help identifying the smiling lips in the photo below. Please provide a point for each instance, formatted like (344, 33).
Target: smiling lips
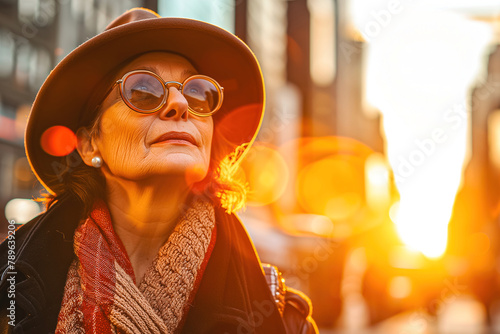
(174, 137)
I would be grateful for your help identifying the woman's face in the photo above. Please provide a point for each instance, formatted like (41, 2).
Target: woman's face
(130, 143)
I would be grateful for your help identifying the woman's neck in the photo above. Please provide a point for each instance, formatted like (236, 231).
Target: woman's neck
(144, 214)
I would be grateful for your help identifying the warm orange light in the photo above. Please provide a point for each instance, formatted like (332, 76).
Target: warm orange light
(479, 244)
(330, 183)
(266, 173)
(58, 141)
(195, 173)
(22, 170)
(429, 235)
(402, 257)
(377, 179)
(494, 137)
(332, 187)
(322, 41)
(400, 287)
(309, 223)
(420, 80)
(21, 117)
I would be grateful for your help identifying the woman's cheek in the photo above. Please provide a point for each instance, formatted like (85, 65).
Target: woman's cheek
(128, 151)
(122, 151)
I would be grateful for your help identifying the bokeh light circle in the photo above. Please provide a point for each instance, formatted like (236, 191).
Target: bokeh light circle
(58, 141)
(266, 173)
(331, 187)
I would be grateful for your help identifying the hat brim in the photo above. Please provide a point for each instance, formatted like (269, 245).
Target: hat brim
(213, 51)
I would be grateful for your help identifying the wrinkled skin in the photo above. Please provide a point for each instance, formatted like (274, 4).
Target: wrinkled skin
(126, 137)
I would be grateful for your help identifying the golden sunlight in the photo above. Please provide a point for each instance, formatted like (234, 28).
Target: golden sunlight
(331, 187)
(420, 79)
(266, 173)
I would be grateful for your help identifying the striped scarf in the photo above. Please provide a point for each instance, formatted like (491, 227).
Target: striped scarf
(101, 295)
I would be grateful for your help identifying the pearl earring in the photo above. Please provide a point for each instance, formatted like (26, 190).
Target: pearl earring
(96, 162)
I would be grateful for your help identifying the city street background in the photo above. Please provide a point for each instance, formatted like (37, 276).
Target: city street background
(375, 179)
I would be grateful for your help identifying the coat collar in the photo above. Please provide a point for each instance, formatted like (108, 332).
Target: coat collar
(233, 296)
(44, 251)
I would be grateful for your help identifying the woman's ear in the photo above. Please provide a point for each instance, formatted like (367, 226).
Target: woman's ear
(86, 146)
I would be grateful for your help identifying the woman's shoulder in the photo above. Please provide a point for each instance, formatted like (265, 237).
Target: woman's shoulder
(38, 255)
(66, 209)
(17, 237)
(56, 225)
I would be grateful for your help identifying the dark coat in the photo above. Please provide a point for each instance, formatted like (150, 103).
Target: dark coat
(233, 296)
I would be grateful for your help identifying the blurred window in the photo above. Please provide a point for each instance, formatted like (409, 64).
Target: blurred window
(322, 41)
(77, 8)
(267, 21)
(39, 67)
(39, 13)
(7, 122)
(27, 9)
(91, 15)
(6, 162)
(96, 15)
(7, 51)
(23, 176)
(218, 12)
(22, 63)
(21, 118)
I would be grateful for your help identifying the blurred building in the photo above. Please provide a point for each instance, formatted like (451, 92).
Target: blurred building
(34, 36)
(313, 69)
(475, 227)
(308, 54)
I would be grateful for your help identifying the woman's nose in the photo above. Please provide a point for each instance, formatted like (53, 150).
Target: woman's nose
(176, 106)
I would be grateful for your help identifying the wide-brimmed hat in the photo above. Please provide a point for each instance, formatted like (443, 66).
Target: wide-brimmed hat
(79, 82)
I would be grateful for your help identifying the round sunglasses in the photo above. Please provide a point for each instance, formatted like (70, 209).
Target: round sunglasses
(145, 92)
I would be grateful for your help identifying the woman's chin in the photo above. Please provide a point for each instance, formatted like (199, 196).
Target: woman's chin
(193, 172)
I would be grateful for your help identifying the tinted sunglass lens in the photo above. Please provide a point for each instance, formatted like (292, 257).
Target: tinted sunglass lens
(202, 95)
(143, 91)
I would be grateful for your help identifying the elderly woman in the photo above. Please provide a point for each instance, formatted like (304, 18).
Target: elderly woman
(140, 234)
